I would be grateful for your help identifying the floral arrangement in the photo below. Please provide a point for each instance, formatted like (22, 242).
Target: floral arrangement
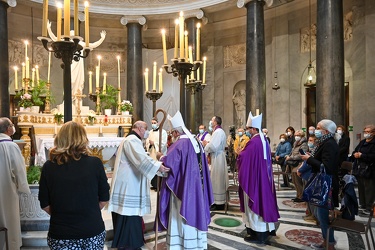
(26, 101)
(126, 106)
(91, 116)
(58, 116)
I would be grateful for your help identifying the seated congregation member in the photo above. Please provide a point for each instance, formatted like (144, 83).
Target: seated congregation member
(283, 149)
(294, 160)
(73, 189)
(289, 132)
(186, 193)
(130, 188)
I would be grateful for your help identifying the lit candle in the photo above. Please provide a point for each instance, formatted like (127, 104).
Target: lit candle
(175, 39)
(181, 27)
(186, 46)
(66, 17)
(37, 73)
(154, 77)
(204, 70)
(164, 46)
(59, 16)
(26, 43)
(76, 21)
(15, 78)
(87, 37)
(198, 44)
(45, 18)
(90, 82)
(105, 83)
(27, 68)
(23, 72)
(160, 80)
(33, 77)
(97, 77)
(118, 72)
(49, 66)
(146, 79)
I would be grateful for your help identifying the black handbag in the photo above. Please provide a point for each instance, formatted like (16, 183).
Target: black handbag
(318, 190)
(362, 169)
(292, 163)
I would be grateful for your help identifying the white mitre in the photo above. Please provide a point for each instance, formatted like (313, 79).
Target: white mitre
(176, 122)
(256, 122)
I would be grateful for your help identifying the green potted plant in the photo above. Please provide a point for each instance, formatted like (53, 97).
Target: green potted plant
(126, 107)
(33, 174)
(108, 101)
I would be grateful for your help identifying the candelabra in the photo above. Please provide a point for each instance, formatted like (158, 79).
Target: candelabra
(68, 49)
(96, 98)
(153, 96)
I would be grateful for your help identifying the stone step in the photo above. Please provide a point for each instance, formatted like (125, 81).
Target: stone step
(34, 239)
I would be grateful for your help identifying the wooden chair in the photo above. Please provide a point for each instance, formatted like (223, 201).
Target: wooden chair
(355, 227)
(279, 173)
(230, 189)
(5, 230)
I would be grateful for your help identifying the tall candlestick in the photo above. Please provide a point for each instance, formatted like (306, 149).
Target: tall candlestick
(164, 46)
(118, 72)
(33, 77)
(160, 80)
(154, 77)
(190, 54)
(204, 70)
(97, 77)
(45, 18)
(66, 17)
(146, 79)
(37, 73)
(186, 46)
(181, 27)
(90, 82)
(76, 21)
(23, 72)
(49, 66)
(59, 16)
(15, 78)
(198, 44)
(27, 68)
(87, 37)
(26, 43)
(175, 39)
(105, 83)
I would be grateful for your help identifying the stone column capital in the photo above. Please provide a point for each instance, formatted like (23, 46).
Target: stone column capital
(11, 3)
(133, 19)
(242, 3)
(198, 13)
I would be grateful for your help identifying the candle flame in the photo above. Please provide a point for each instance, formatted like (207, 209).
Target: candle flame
(23, 64)
(176, 21)
(86, 4)
(99, 57)
(186, 33)
(198, 25)
(155, 63)
(33, 69)
(118, 57)
(26, 42)
(163, 31)
(161, 69)
(90, 72)
(15, 68)
(104, 74)
(204, 58)
(146, 70)
(36, 66)
(59, 5)
(181, 13)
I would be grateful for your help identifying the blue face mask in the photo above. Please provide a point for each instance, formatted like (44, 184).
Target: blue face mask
(154, 126)
(240, 134)
(248, 134)
(311, 145)
(210, 128)
(318, 133)
(201, 131)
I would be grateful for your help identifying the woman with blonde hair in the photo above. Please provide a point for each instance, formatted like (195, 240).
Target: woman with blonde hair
(73, 189)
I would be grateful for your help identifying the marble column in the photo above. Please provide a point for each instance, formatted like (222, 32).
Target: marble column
(4, 62)
(255, 59)
(330, 102)
(135, 90)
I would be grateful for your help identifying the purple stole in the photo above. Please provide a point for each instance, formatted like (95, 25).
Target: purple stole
(203, 136)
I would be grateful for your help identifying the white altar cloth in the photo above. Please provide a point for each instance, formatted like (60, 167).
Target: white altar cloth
(109, 145)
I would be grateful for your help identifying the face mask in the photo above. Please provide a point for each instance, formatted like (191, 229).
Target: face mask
(201, 131)
(210, 124)
(367, 136)
(210, 128)
(282, 140)
(154, 126)
(265, 134)
(240, 134)
(297, 138)
(288, 133)
(311, 145)
(339, 131)
(318, 133)
(311, 132)
(145, 136)
(248, 134)
(14, 130)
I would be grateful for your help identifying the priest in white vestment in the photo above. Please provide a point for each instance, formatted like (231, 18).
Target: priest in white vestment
(130, 188)
(219, 174)
(12, 181)
(186, 194)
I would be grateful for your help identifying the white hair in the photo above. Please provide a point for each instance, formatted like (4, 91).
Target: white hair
(330, 126)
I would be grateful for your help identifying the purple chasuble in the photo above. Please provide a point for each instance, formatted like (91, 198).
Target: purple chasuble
(185, 182)
(256, 180)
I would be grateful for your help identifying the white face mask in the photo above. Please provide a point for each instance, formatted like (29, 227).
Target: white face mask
(297, 138)
(288, 133)
(339, 131)
(367, 136)
(145, 135)
(14, 130)
(311, 132)
(282, 140)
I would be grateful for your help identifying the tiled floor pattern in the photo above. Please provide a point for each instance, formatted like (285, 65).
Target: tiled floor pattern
(293, 232)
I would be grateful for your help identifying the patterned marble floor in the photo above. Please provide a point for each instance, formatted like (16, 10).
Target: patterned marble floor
(293, 232)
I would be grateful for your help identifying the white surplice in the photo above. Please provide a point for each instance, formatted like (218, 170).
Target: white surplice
(154, 136)
(219, 173)
(12, 180)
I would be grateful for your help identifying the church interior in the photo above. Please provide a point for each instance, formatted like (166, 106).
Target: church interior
(294, 61)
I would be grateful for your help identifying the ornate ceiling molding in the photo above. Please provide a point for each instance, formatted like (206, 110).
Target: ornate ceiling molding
(242, 3)
(11, 3)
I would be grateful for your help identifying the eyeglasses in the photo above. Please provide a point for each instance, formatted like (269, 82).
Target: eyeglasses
(366, 131)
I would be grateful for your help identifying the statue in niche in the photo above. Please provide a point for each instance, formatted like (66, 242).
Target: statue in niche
(348, 26)
(77, 68)
(239, 101)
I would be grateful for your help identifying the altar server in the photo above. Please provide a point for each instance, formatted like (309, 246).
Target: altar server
(130, 190)
(12, 180)
(186, 194)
